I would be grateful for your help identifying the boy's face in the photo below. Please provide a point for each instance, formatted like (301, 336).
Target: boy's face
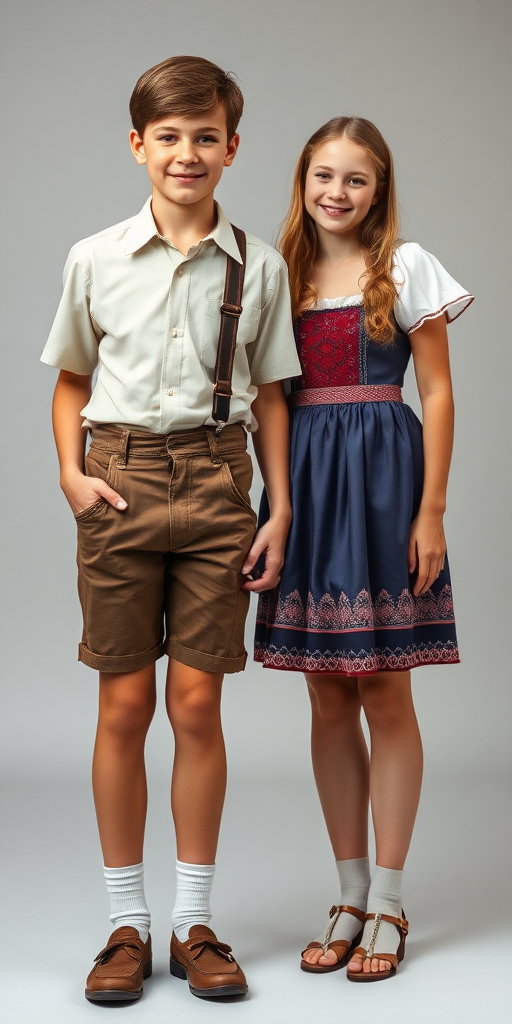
(185, 156)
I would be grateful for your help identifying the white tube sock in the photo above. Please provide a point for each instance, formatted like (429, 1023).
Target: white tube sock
(192, 905)
(127, 901)
(385, 897)
(355, 883)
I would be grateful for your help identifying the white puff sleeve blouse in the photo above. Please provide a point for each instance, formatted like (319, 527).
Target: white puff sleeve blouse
(425, 289)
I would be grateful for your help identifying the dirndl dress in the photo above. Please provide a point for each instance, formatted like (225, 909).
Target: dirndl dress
(345, 603)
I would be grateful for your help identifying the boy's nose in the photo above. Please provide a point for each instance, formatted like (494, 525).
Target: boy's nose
(186, 154)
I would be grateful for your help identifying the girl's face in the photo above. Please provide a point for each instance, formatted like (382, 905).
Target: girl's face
(341, 187)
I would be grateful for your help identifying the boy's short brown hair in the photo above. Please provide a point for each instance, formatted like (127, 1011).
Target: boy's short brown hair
(185, 86)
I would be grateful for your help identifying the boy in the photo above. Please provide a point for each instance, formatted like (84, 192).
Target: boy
(165, 527)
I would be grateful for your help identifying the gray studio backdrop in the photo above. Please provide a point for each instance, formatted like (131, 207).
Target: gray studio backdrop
(433, 78)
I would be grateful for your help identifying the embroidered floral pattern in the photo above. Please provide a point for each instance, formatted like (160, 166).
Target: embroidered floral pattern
(361, 613)
(357, 663)
(328, 345)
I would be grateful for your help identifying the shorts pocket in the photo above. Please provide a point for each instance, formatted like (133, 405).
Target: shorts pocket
(237, 475)
(102, 465)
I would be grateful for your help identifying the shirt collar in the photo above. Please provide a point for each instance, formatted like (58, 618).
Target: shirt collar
(143, 228)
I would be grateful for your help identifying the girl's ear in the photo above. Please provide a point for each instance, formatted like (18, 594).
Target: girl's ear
(378, 192)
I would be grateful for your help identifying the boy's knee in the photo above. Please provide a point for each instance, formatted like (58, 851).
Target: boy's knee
(128, 716)
(195, 710)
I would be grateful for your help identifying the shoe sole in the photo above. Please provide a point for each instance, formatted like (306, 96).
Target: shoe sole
(178, 971)
(116, 995)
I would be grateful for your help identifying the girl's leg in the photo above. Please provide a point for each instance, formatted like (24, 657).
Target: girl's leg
(396, 767)
(340, 765)
(126, 707)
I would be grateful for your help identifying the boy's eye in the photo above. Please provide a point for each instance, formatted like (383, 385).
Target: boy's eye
(167, 138)
(207, 138)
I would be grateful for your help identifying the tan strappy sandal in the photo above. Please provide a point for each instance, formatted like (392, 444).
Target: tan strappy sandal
(342, 947)
(402, 927)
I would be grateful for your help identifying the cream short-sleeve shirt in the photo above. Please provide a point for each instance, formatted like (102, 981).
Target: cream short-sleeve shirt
(147, 319)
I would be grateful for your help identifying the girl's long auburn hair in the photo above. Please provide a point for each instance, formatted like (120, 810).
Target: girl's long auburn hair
(298, 239)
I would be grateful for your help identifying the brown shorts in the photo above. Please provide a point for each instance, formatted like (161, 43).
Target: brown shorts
(164, 575)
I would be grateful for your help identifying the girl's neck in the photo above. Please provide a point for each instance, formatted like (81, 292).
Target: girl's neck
(338, 248)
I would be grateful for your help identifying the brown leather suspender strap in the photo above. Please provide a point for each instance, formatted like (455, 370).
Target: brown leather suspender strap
(230, 314)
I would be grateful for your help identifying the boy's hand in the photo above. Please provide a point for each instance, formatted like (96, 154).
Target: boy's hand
(269, 541)
(82, 491)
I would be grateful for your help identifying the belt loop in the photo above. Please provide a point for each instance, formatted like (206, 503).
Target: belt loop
(123, 454)
(213, 445)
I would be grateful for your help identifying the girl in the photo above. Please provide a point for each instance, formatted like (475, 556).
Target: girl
(365, 592)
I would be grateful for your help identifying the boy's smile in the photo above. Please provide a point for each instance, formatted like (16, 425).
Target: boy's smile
(185, 156)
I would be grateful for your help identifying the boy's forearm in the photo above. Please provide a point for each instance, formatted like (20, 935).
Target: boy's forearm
(72, 392)
(271, 445)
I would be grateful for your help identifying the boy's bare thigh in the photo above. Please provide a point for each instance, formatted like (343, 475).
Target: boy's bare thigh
(164, 575)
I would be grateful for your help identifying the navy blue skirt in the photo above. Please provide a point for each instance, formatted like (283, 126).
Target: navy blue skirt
(345, 603)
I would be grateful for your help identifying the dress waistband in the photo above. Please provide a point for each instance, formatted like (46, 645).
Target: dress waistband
(351, 393)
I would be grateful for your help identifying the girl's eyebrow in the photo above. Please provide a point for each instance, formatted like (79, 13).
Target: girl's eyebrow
(351, 174)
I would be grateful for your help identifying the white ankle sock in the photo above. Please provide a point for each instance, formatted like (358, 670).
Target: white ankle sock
(192, 905)
(127, 901)
(355, 883)
(385, 897)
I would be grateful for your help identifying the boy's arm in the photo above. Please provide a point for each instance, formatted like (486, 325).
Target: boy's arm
(72, 392)
(271, 446)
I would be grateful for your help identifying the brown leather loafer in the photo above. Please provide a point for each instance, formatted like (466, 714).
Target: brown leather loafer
(120, 968)
(207, 964)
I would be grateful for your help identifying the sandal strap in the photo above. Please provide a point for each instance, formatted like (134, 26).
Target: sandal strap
(399, 922)
(339, 944)
(344, 908)
(361, 951)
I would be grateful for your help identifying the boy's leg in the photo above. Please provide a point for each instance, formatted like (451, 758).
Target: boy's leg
(197, 797)
(199, 774)
(126, 707)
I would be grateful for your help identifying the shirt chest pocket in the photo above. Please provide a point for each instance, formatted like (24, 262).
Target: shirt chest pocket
(247, 330)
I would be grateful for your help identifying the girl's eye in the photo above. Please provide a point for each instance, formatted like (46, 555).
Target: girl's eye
(356, 181)
(322, 175)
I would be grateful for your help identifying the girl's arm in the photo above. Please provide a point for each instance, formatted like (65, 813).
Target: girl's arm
(427, 545)
(72, 392)
(271, 446)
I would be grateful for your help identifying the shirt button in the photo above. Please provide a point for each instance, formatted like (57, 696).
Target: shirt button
(170, 392)
(174, 333)
(180, 272)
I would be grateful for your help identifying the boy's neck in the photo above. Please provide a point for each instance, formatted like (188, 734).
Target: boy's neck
(184, 224)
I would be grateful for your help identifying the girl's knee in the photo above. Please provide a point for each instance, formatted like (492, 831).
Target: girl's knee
(333, 700)
(386, 701)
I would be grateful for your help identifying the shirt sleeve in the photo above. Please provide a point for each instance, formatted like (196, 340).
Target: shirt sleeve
(73, 340)
(425, 289)
(273, 355)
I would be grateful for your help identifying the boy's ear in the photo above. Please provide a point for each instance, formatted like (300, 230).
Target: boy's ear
(231, 149)
(137, 147)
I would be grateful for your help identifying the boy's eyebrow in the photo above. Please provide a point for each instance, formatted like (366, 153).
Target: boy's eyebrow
(169, 128)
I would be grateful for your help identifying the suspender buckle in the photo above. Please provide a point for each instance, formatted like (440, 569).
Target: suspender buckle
(220, 426)
(228, 309)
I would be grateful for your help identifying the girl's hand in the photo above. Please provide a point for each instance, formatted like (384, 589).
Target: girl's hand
(82, 491)
(270, 541)
(427, 550)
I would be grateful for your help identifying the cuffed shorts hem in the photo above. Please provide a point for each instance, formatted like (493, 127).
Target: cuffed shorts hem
(128, 663)
(205, 662)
